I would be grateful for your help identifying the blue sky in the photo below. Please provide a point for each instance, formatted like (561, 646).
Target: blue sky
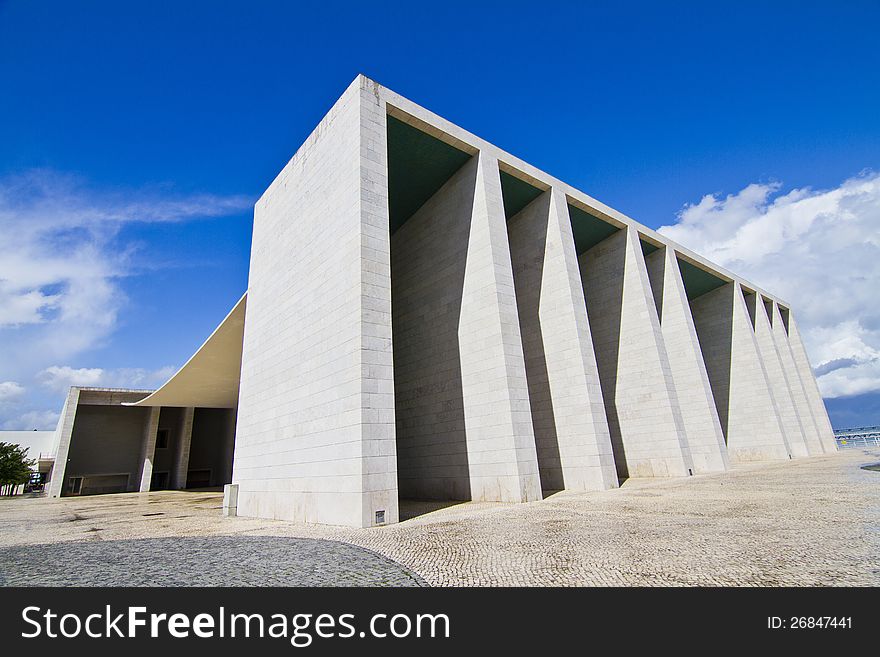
(136, 136)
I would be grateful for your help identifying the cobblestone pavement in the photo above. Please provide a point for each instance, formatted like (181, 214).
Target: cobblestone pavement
(806, 522)
(201, 561)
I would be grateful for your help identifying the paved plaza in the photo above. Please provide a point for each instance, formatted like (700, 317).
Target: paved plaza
(806, 522)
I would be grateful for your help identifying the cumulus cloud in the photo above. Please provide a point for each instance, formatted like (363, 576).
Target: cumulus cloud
(45, 420)
(63, 263)
(10, 391)
(819, 250)
(60, 378)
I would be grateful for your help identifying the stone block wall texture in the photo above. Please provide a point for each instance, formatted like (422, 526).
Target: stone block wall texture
(63, 433)
(754, 430)
(428, 256)
(812, 432)
(697, 403)
(568, 415)
(776, 377)
(502, 458)
(315, 430)
(820, 414)
(647, 430)
(712, 313)
(516, 363)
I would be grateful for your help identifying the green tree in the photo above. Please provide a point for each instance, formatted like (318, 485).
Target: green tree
(15, 466)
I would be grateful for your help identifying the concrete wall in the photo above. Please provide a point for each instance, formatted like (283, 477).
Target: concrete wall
(568, 415)
(170, 419)
(696, 401)
(428, 257)
(812, 430)
(211, 445)
(107, 440)
(502, 458)
(820, 413)
(315, 435)
(755, 431)
(94, 421)
(463, 422)
(712, 313)
(778, 381)
(61, 442)
(644, 418)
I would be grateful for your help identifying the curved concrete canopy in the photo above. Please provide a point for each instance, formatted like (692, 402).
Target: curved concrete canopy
(210, 378)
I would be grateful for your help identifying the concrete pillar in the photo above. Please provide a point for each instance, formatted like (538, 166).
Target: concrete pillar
(644, 419)
(63, 433)
(148, 448)
(820, 413)
(779, 388)
(181, 451)
(693, 391)
(502, 457)
(315, 440)
(796, 384)
(754, 429)
(568, 414)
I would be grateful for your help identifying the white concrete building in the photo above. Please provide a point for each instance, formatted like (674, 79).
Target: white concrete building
(430, 317)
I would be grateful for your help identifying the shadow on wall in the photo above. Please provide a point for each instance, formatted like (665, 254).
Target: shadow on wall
(527, 234)
(602, 274)
(428, 257)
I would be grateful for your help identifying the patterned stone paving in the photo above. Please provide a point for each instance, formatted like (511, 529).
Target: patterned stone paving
(206, 561)
(799, 523)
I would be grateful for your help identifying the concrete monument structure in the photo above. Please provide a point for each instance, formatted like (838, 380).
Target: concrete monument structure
(428, 316)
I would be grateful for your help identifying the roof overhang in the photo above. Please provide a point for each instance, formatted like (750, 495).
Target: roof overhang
(210, 378)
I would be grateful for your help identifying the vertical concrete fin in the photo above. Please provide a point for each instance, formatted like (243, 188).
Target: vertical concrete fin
(571, 360)
(812, 432)
(700, 417)
(181, 452)
(63, 434)
(568, 416)
(502, 457)
(779, 388)
(820, 413)
(754, 430)
(643, 414)
(148, 448)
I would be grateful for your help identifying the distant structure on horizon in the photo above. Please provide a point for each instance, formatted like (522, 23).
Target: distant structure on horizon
(430, 317)
(858, 437)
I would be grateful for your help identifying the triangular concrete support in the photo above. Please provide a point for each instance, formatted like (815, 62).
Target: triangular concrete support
(754, 429)
(820, 413)
(776, 377)
(697, 405)
(571, 432)
(796, 385)
(646, 427)
(502, 457)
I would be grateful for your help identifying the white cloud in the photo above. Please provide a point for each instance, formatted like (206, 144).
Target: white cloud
(817, 249)
(10, 391)
(63, 261)
(39, 420)
(60, 378)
